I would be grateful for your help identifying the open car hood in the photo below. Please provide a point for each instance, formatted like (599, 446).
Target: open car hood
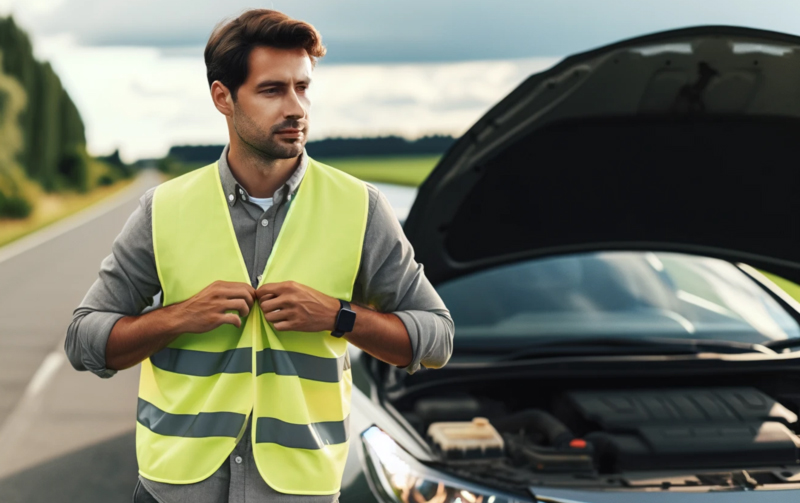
(686, 140)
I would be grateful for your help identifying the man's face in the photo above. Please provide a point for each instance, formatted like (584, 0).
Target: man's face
(270, 113)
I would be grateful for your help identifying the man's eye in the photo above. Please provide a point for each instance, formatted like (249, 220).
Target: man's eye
(271, 90)
(302, 88)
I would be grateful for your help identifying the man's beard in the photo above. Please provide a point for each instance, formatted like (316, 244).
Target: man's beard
(264, 143)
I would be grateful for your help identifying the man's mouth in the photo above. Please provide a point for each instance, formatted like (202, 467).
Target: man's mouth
(290, 132)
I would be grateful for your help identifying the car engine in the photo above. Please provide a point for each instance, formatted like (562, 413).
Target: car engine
(658, 429)
(691, 436)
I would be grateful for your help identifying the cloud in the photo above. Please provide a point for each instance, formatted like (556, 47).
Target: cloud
(411, 30)
(414, 67)
(412, 99)
(136, 100)
(143, 102)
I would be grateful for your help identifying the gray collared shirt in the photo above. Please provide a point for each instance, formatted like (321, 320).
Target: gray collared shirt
(389, 280)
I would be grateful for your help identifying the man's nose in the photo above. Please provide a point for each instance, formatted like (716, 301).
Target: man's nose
(294, 107)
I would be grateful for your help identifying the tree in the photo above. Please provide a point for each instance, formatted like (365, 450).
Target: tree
(53, 148)
(19, 63)
(12, 102)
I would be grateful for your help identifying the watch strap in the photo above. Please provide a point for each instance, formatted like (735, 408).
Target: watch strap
(343, 304)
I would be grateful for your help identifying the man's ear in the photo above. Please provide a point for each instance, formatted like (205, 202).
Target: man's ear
(222, 98)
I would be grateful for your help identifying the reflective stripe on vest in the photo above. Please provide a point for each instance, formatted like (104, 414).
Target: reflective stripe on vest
(196, 394)
(234, 361)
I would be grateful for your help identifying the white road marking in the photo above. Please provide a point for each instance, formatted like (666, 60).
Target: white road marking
(46, 371)
(29, 404)
(18, 422)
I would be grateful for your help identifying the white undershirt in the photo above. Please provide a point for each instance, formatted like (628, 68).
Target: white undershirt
(264, 202)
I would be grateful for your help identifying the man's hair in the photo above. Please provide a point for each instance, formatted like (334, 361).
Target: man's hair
(228, 49)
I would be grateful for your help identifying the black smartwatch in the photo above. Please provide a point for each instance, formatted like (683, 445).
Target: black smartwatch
(344, 320)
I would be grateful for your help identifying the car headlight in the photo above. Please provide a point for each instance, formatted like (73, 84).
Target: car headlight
(402, 479)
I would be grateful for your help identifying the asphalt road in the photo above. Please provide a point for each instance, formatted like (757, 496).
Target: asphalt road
(64, 435)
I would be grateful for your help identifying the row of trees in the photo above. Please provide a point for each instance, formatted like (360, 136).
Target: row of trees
(379, 146)
(42, 137)
(332, 147)
(12, 177)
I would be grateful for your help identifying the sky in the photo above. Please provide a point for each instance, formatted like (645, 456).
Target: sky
(410, 67)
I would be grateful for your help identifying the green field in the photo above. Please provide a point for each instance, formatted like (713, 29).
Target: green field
(402, 170)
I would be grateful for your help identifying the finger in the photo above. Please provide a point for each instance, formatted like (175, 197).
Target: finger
(276, 316)
(264, 296)
(282, 325)
(239, 305)
(231, 318)
(227, 285)
(273, 304)
(275, 288)
(240, 291)
(266, 289)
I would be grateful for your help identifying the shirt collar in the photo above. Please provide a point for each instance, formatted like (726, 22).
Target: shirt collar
(234, 191)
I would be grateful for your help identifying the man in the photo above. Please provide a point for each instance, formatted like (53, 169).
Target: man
(245, 384)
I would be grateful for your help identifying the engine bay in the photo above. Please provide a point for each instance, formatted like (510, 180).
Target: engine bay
(678, 436)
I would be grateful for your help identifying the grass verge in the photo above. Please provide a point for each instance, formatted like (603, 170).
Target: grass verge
(49, 208)
(401, 170)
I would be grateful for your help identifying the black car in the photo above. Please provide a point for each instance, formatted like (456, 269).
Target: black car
(618, 243)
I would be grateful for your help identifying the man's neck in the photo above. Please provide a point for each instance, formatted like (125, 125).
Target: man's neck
(260, 177)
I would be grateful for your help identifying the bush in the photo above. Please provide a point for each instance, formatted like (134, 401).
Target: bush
(105, 180)
(173, 167)
(14, 206)
(73, 171)
(166, 165)
(114, 161)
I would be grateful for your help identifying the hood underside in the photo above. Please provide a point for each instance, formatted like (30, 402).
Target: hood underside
(682, 141)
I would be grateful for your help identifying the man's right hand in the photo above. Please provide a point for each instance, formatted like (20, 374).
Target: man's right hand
(135, 338)
(209, 308)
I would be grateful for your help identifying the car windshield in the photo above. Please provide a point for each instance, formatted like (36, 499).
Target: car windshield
(615, 294)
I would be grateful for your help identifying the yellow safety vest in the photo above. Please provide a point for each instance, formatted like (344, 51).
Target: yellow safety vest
(196, 394)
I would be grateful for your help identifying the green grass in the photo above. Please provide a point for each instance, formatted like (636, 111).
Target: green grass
(51, 207)
(402, 170)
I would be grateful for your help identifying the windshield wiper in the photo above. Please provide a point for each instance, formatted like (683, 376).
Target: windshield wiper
(783, 344)
(614, 346)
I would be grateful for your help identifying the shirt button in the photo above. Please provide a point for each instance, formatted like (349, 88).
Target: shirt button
(230, 197)
(264, 222)
(259, 277)
(238, 460)
(289, 197)
(241, 192)
(244, 198)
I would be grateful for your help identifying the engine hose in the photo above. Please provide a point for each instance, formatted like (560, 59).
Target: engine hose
(556, 433)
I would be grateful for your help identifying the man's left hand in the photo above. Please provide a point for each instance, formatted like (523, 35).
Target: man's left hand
(292, 306)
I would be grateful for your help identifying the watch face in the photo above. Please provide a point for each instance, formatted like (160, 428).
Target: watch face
(346, 320)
